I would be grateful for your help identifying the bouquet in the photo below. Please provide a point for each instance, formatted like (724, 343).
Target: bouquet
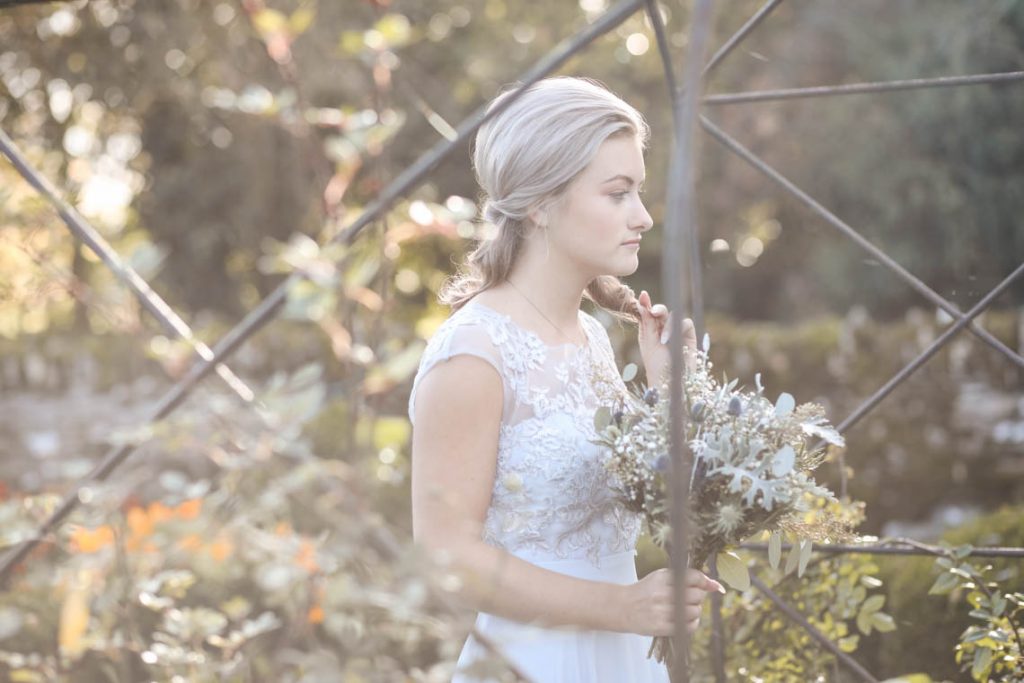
(752, 465)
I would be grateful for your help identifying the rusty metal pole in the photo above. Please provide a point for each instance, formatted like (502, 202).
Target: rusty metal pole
(679, 223)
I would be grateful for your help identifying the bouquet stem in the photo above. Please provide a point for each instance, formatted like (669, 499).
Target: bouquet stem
(663, 648)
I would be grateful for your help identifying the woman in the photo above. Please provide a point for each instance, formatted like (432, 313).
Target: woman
(506, 484)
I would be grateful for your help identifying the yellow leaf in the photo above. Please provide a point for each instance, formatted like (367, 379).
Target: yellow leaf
(74, 619)
(269, 21)
(733, 571)
(300, 20)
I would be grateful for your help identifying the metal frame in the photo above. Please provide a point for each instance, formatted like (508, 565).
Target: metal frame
(681, 275)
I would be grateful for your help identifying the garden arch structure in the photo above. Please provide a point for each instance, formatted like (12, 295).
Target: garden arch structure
(686, 98)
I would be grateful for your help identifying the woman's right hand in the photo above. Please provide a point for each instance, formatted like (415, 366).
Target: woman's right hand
(649, 602)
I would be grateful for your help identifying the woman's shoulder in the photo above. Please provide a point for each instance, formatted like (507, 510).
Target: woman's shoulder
(470, 329)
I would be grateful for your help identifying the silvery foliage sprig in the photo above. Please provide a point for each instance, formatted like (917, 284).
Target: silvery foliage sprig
(752, 463)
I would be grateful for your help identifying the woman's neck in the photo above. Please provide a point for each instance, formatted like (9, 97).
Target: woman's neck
(556, 291)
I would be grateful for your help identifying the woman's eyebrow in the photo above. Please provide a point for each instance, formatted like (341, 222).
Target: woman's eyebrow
(622, 176)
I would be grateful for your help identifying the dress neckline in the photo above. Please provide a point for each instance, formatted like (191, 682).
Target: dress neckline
(508, 319)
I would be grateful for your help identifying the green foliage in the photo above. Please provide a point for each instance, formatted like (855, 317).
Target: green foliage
(229, 147)
(839, 596)
(930, 625)
(992, 650)
(215, 577)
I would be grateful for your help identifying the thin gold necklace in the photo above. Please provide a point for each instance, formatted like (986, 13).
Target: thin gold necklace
(557, 328)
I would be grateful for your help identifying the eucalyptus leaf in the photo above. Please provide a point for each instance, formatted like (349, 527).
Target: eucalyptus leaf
(629, 372)
(775, 549)
(792, 559)
(785, 404)
(733, 570)
(805, 556)
(602, 418)
(783, 460)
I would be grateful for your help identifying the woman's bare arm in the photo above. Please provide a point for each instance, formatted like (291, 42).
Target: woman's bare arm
(454, 458)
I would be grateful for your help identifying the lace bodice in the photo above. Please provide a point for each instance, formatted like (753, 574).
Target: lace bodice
(552, 496)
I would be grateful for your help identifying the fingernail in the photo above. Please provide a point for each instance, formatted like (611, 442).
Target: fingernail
(721, 588)
(665, 334)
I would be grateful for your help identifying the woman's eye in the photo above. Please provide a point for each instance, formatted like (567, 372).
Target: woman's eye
(619, 196)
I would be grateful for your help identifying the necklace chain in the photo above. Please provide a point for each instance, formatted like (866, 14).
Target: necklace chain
(539, 311)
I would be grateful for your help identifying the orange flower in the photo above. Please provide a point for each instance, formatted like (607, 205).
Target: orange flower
(306, 557)
(283, 529)
(221, 549)
(91, 540)
(315, 614)
(191, 542)
(139, 523)
(158, 512)
(189, 509)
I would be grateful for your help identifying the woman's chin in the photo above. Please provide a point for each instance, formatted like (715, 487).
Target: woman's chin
(631, 267)
(621, 267)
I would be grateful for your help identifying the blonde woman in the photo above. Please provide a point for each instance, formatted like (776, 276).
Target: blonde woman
(506, 485)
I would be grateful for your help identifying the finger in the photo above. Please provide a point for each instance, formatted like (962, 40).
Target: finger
(666, 332)
(659, 310)
(694, 597)
(692, 626)
(715, 586)
(697, 578)
(702, 581)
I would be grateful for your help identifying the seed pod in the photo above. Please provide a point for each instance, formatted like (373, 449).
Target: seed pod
(735, 406)
(661, 463)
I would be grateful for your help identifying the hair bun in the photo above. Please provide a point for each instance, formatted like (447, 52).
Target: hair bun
(492, 213)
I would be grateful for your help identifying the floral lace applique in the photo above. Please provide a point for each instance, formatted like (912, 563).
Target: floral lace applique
(552, 496)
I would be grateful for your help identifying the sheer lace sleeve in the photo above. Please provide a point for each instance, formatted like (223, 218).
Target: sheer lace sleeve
(454, 337)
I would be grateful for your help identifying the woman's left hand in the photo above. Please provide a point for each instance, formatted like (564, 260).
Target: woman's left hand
(655, 324)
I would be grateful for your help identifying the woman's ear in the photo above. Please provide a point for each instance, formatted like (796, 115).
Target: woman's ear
(539, 217)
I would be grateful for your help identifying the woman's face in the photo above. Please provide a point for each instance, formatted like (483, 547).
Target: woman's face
(601, 211)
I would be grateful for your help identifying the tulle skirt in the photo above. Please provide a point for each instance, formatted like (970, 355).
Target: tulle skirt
(564, 655)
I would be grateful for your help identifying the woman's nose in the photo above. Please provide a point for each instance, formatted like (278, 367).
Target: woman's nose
(645, 221)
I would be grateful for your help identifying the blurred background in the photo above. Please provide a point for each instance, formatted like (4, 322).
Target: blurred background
(219, 145)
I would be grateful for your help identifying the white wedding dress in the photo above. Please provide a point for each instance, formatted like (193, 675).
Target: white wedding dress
(552, 502)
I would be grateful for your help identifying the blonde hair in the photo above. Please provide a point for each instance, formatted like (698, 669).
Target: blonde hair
(525, 158)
